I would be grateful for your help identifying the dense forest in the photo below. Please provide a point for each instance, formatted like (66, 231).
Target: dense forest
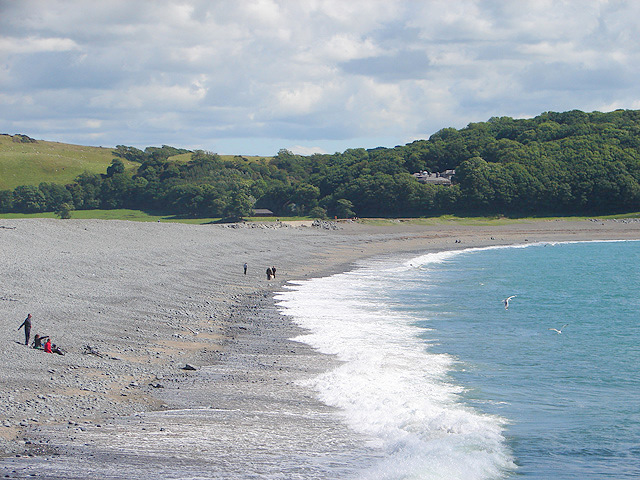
(556, 163)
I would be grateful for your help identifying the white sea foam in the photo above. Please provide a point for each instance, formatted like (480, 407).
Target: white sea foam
(390, 386)
(439, 257)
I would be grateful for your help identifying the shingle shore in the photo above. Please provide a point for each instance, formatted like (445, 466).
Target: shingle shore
(133, 303)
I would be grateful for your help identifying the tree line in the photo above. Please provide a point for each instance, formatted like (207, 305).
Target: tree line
(556, 163)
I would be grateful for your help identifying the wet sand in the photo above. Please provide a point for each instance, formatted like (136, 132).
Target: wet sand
(149, 299)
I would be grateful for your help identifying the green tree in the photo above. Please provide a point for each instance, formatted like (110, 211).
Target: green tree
(29, 199)
(6, 201)
(129, 153)
(344, 208)
(185, 199)
(116, 167)
(115, 191)
(474, 177)
(86, 191)
(318, 212)
(240, 205)
(305, 196)
(55, 195)
(64, 210)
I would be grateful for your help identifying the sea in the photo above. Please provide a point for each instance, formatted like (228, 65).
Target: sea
(437, 375)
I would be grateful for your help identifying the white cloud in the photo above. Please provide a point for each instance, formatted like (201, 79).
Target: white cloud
(16, 45)
(15, 100)
(267, 12)
(310, 72)
(153, 97)
(345, 46)
(300, 99)
(302, 150)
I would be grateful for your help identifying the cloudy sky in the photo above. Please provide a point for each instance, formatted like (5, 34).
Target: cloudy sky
(254, 76)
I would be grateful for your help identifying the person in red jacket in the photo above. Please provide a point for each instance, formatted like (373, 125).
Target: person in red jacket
(47, 346)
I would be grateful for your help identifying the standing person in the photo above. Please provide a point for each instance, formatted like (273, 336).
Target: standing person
(269, 273)
(273, 272)
(245, 267)
(27, 329)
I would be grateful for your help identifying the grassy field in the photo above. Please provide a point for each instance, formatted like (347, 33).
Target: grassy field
(480, 221)
(53, 162)
(140, 216)
(118, 214)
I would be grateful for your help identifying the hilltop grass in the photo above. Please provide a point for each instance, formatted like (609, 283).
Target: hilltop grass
(180, 158)
(52, 162)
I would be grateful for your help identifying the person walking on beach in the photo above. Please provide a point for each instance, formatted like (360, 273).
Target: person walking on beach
(27, 329)
(269, 273)
(245, 267)
(273, 272)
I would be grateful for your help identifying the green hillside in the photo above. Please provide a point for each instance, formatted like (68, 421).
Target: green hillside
(558, 163)
(27, 162)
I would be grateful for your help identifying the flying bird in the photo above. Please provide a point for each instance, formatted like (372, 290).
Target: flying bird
(559, 331)
(506, 301)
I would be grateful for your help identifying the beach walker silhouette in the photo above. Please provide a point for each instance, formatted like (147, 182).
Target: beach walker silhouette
(27, 329)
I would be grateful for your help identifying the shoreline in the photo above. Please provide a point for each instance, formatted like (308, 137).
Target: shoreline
(242, 350)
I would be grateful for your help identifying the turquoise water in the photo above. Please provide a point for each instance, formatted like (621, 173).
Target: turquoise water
(450, 384)
(572, 400)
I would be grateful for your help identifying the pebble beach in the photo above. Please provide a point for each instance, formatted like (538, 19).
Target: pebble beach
(167, 341)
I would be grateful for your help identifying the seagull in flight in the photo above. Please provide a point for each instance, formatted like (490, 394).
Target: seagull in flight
(559, 331)
(506, 301)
